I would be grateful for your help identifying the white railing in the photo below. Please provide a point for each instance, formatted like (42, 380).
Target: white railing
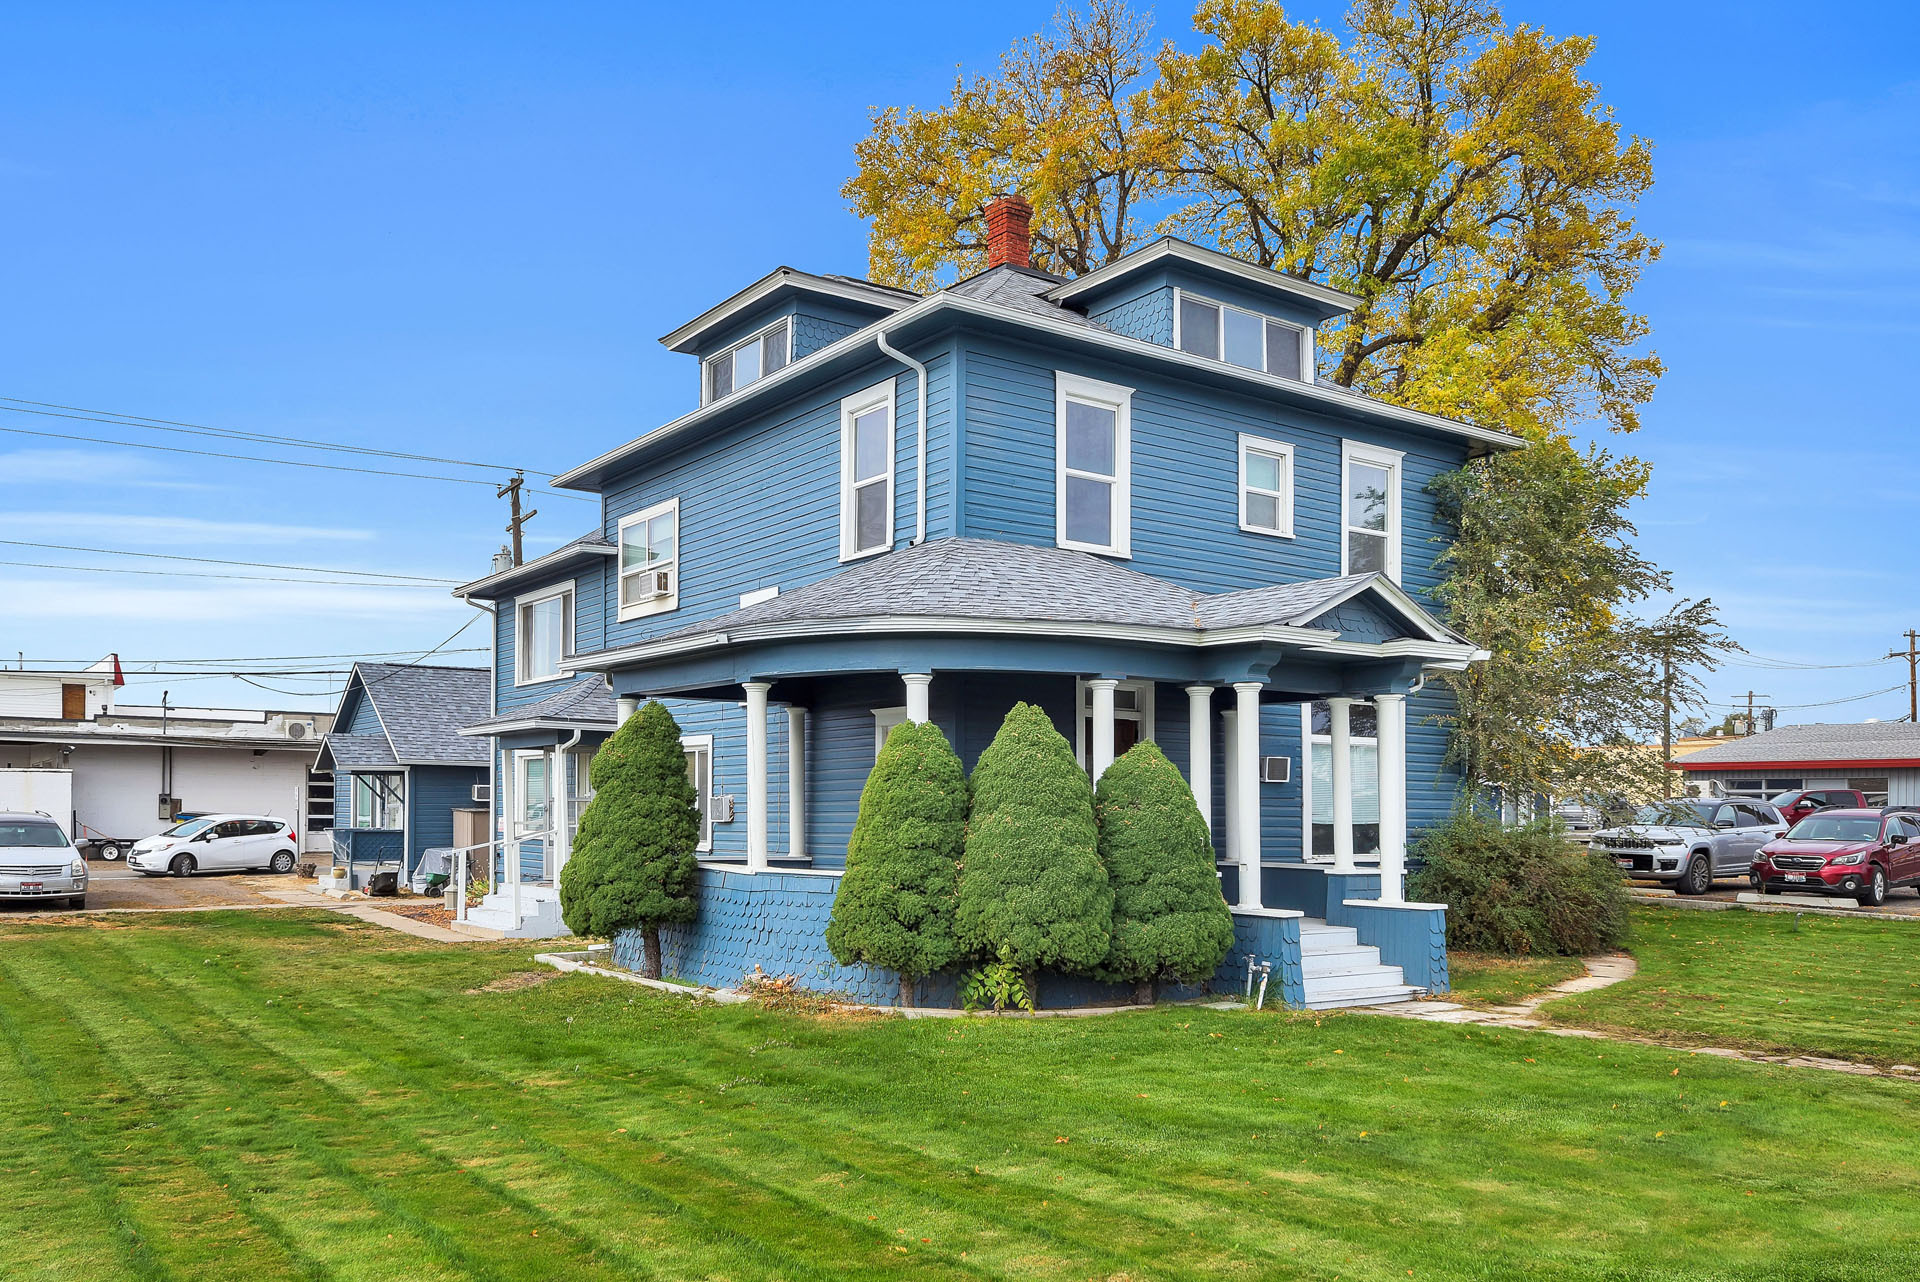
(510, 847)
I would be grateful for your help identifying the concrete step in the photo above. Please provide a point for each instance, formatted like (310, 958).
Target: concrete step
(1367, 997)
(1358, 960)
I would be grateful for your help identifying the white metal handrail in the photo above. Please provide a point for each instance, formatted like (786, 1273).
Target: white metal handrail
(512, 872)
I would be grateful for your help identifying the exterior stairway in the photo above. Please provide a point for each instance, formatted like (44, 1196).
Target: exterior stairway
(1338, 970)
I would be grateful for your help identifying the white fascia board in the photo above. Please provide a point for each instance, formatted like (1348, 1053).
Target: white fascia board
(1170, 247)
(803, 368)
(608, 660)
(485, 587)
(533, 723)
(1396, 596)
(689, 334)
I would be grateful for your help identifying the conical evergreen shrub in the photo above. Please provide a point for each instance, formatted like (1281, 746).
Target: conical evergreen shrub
(1033, 892)
(633, 860)
(1169, 918)
(894, 908)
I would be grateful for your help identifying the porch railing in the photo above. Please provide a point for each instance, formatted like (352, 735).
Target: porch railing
(510, 848)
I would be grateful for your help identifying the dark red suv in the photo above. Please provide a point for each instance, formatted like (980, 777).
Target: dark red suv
(1859, 853)
(1801, 802)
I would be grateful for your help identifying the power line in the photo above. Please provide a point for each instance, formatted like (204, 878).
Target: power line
(283, 462)
(1825, 703)
(271, 658)
(47, 409)
(201, 574)
(214, 560)
(1763, 661)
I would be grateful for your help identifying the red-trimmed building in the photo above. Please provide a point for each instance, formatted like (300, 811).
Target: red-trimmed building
(1879, 758)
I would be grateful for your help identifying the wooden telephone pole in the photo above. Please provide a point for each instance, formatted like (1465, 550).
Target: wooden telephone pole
(1912, 655)
(511, 492)
(1751, 696)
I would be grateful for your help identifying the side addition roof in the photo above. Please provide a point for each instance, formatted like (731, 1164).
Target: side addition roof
(1880, 744)
(421, 710)
(585, 704)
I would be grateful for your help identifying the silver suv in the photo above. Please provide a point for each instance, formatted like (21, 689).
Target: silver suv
(1691, 843)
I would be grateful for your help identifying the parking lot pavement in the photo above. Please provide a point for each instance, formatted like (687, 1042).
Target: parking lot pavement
(1901, 902)
(114, 885)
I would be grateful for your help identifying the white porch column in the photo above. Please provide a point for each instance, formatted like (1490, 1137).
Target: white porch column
(1341, 710)
(1247, 767)
(796, 782)
(1230, 763)
(1200, 749)
(917, 683)
(1100, 751)
(756, 773)
(1391, 711)
(625, 706)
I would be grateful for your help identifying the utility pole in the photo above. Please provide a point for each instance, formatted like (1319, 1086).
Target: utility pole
(1912, 655)
(511, 492)
(1751, 696)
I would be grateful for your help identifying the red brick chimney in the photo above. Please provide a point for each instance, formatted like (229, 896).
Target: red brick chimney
(1008, 241)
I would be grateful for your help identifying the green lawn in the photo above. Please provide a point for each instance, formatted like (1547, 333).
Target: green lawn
(264, 1095)
(1482, 979)
(1838, 986)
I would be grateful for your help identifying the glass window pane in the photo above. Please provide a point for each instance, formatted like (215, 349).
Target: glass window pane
(870, 445)
(660, 537)
(1089, 518)
(1091, 430)
(1263, 471)
(774, 348)
(1263, 511)
(1246, 339)
(1283, 350)
(719, 377)
(1366, 553)
(870, 516)
(746, 364)
(1367, 492)
(1199, 328)
(534, 792)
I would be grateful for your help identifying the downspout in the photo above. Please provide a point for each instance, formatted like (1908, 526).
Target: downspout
(920, 432)
(560, 751)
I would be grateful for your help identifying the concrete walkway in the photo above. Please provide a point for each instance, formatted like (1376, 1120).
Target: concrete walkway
(1603, 972)
(365, 910)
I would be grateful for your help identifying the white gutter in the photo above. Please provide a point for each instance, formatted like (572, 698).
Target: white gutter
(920, 430)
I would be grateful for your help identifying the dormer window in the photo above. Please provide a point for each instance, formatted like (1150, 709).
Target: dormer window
(749, 361)
(1218, 332)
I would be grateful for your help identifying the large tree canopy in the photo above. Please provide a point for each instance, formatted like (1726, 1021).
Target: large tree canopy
(1465, 181)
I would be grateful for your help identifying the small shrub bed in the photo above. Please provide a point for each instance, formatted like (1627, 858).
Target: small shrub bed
(1519, 891)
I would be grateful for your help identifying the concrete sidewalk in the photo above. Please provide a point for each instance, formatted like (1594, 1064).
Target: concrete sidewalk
(367, 911)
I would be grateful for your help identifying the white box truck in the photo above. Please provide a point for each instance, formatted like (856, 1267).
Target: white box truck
(49, 792)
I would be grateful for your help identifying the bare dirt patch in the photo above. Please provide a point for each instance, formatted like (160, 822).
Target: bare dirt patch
(515, 981)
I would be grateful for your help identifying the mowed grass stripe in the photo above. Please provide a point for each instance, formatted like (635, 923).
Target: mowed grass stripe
(542, 1120)
(419, 1108)
(399, 1186)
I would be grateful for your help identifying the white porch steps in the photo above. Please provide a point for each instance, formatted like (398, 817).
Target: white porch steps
(539, 917)
(1339, 971)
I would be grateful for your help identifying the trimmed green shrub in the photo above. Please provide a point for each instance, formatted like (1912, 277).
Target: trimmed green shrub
(1169, 919)
(894, 907)
(1033, 892)
(1519, 891)
(633, 862)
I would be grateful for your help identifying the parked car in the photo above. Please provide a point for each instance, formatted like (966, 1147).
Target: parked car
(1577, 815)
(1801, 802)
(217, 842)
(1691, 842)
(1858, 853)
(37, 861)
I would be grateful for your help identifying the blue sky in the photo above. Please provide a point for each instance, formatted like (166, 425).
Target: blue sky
(459, 230)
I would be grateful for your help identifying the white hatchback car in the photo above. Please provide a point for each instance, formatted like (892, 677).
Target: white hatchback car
(215, 843)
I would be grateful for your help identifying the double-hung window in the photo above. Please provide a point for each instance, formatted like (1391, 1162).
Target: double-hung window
(1092, 493)
(1266, 486)
(866, 472)
(1370, 510)
(699, 753)
(1363, 744)
(650, 560)
(749, 361)
(543, 629)
(1239, 337)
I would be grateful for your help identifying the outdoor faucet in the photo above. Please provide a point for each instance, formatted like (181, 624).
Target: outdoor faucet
(1266, 968)
(1250, 969)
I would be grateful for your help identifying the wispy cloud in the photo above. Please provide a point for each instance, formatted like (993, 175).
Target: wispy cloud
(171, 530)
(71, 600)
(91, 467)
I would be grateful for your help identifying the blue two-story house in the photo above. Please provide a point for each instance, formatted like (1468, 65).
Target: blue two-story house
(1123, 497)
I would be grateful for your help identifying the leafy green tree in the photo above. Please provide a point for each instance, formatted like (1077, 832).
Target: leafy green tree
(1033, 891)
(633, 861)
(1169, 919)
(894, 908)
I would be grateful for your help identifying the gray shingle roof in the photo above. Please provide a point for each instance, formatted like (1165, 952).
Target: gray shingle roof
(1871, 741)
(1023, 291)
(586, 702)
(357, 752)
(424, 707)
(988, 579)
(493, 584)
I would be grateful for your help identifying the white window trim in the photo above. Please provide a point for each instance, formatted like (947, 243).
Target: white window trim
(884, 720)
(1307, 740)
(656, 605)
(1284, 452)
(703, 743)
(567, 628)
(706, 366)
(1220, 333)
(880, 395)
(518, 812)
(1142, 712)
(1393, 461)
(1120, 400)
(353, 800)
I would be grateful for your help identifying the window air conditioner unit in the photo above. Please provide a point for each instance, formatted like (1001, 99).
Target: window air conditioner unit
(1276, 770)
(660, 584)
(483, 792)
